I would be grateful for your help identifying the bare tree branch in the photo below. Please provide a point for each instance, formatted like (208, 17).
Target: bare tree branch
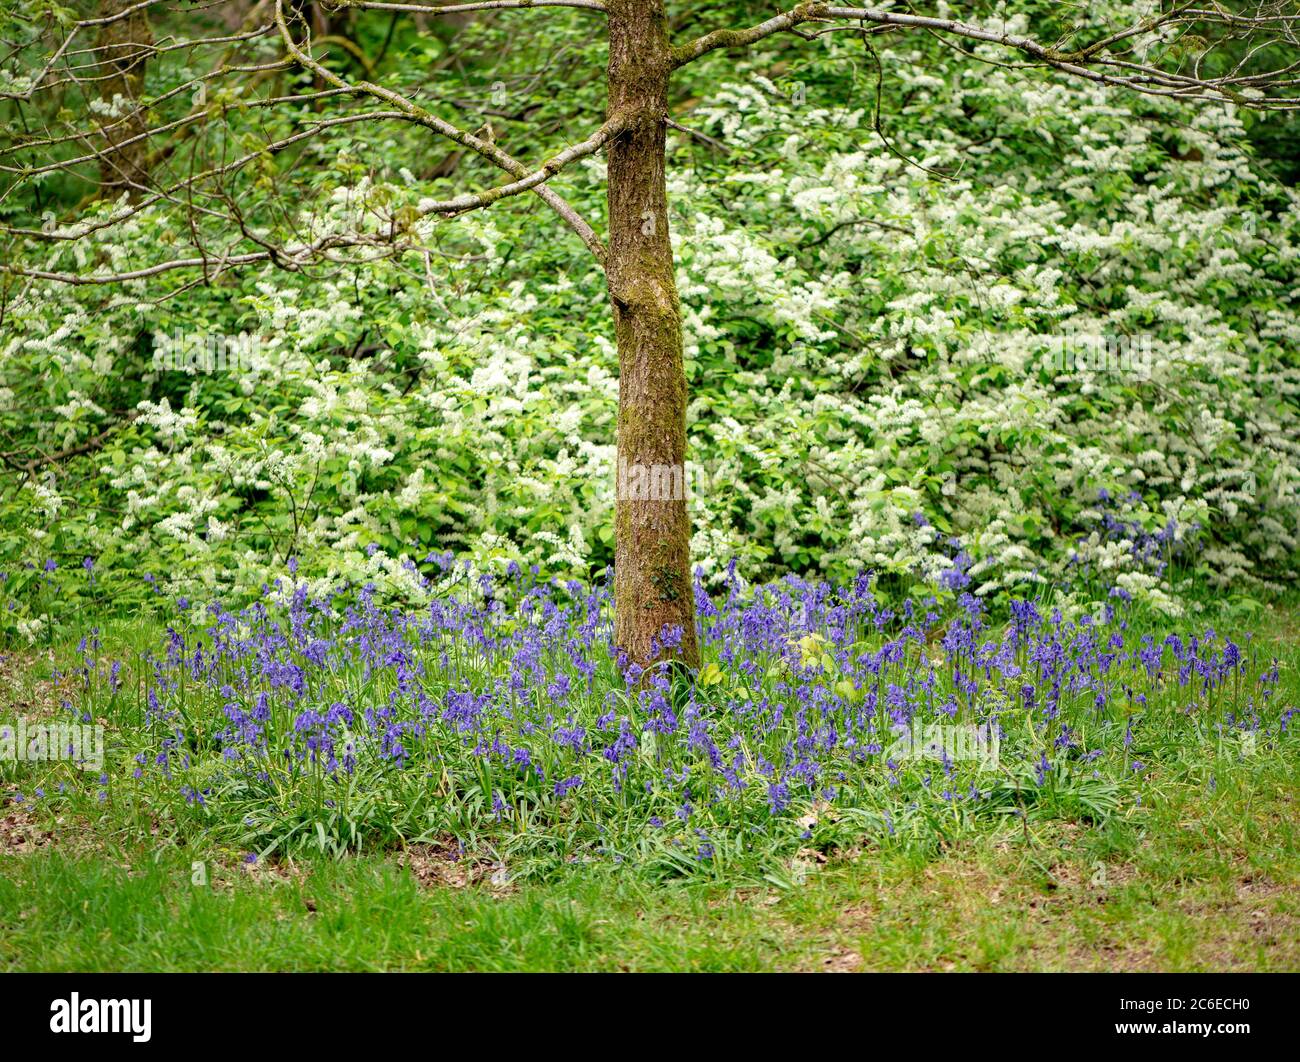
(456, 9)
(484, 148)
(1095, 62)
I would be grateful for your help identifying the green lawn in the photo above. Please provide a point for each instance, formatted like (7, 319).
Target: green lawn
(1205, 882)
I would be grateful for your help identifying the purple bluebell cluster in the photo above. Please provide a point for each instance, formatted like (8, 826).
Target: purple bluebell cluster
(506, 710)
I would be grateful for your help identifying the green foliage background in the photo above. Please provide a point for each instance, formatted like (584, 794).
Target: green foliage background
(870, 330)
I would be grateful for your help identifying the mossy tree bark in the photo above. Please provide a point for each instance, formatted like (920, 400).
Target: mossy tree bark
(122, 45)
(652, 572)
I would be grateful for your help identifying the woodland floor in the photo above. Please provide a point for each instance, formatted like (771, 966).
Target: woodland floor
(1204, 880)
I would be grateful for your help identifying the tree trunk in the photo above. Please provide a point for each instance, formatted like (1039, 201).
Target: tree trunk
(652, 575)
(122, 52)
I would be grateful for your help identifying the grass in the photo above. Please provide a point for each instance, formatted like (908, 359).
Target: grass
(1207, 883)
(1200, 873)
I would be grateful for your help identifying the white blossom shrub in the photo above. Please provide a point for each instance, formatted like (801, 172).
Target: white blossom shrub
(1039, 339)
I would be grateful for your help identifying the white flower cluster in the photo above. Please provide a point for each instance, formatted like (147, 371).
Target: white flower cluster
(873, 338)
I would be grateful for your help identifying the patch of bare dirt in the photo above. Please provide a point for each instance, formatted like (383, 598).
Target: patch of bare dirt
(1261, 916)
(272, 870)
(441, 865)
(25, 828)
(223, 871)
(1109, 956)
(1089, 881)
(841, 960)
(23, 693)
(20, 832)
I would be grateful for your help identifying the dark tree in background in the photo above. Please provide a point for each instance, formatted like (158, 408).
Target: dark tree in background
(124, 39)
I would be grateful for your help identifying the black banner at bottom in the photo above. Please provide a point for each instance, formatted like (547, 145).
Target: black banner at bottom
(241, 1011)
